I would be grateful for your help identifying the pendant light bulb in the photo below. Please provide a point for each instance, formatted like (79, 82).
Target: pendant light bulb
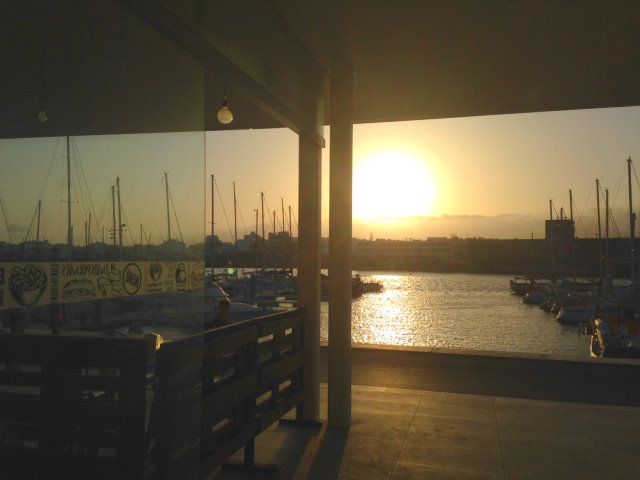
(42, 114)
(224, 114)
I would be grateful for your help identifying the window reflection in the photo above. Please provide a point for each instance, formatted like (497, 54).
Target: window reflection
(102, 235)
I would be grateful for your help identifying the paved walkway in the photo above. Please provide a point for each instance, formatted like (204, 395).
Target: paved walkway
(420, 434)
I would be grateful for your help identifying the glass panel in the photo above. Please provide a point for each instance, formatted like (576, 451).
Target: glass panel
(103, 234)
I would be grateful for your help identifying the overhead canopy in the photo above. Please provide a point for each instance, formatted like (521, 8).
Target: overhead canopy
(149, 66)
(417, 59)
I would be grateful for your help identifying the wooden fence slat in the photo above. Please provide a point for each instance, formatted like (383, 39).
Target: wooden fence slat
(87, 394)
(280, 325)
(221, 401)
(277, 410)
(208, 386)
(280, 369)
(231, 341)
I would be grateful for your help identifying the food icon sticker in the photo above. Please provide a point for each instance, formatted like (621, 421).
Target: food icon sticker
(78, 289)
(132, 278)
(197, 275)
(181, 277)
(155, 271)
(27, 284)
(111, 284)
(51, 283)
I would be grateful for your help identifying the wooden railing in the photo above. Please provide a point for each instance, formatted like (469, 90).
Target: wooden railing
(72, 407)
(219, 389)
(78, 407)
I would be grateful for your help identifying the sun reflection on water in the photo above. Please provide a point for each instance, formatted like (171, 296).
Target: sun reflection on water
(462, 311)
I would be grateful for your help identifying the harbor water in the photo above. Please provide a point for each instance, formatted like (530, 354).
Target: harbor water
(457, 311)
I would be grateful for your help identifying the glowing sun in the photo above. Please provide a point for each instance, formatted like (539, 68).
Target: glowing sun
(391, 185)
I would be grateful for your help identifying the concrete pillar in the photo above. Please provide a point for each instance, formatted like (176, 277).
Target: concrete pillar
(340, 247)
(309, 208)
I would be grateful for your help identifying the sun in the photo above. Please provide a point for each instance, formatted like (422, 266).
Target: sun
(392, 185)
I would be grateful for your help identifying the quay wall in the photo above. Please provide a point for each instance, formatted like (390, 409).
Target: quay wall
(538, 377)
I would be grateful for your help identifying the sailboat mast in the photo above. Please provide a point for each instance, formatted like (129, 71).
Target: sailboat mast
(113, 212)
(573, 257)
(632, 227)
(235, 217)
(262, 210)
(290, 253)
(69, 227)
(599, 227)
(262, 213)
(606, 232)
(212, 205)
(38, 226)
(166, 184)
(256, 242)
(119, 213)
(553, 249)
(89, 231)
(283, 227)
(113, 208)
(571, 205)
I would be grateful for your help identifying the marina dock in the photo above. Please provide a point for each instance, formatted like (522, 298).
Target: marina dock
(453, 415)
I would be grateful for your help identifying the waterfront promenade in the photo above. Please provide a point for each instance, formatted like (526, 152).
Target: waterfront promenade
(437, 415)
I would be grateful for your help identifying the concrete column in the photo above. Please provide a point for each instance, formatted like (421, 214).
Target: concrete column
(309, 207)
(340, 247)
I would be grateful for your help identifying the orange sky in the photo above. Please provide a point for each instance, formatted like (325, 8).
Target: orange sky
(481, 176)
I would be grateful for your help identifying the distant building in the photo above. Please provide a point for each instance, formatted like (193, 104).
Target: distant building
(248, 242)
(560, 232)
(401, 254)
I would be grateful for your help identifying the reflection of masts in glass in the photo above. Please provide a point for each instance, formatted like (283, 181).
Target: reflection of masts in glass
(113, 205)
(166, 184)
(69, 227)
(119, 213)
(38, 224)
(171, 205)
(6, 222)
(87, 232)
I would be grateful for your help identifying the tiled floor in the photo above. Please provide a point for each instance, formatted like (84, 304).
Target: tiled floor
(405, 434)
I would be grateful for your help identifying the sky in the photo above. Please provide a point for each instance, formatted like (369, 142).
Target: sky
(489, 177)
